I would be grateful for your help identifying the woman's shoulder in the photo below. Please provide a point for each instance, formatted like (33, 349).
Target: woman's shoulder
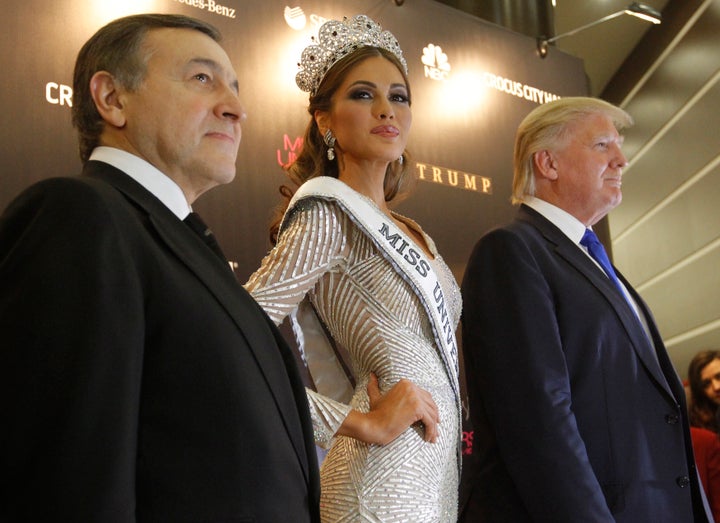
(320, 221)
(316, 209)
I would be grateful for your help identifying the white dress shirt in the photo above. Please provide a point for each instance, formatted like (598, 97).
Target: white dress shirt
(147, 175)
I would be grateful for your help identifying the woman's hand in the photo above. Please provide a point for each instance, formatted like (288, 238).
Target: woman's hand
(391, 414)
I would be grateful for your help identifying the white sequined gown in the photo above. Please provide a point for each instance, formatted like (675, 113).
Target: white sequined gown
(370, 310)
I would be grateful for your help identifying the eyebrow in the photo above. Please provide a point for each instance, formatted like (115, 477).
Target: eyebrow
(619, 138)
(373, 85)
(212, 64)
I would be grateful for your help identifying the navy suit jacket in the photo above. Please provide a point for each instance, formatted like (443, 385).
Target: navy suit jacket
(138, 380)
(576, 416)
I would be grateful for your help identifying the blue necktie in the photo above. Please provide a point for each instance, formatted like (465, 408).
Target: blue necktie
(597, 251)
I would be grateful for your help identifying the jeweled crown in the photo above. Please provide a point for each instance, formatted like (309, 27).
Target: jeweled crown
(337, 39)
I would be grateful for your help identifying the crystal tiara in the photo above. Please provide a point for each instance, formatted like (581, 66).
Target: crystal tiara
(336, 39)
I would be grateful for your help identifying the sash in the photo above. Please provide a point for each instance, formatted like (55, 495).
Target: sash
(410, 262)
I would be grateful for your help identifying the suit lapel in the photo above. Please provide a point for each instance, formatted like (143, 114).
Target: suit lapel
(220, 281)
(672, 378)
(583, 264)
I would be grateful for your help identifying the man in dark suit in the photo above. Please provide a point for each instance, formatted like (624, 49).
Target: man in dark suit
(138, 380)
(578, 413)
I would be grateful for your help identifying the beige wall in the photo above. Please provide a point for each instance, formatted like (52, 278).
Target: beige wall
(666, 234)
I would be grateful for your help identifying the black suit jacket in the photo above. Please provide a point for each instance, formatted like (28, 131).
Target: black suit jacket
(577, 417)
(138, 380)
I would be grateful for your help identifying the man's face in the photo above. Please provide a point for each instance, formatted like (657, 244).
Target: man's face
(185, 116)
(589, 169)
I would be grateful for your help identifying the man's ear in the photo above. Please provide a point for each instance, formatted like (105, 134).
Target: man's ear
(104, 92)
(545, 164)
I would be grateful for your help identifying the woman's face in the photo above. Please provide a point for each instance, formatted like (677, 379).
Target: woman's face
(370, 113)
(710, 380)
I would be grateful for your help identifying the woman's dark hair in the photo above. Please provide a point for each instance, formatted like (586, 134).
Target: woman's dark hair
(312, 160)
(703, 411)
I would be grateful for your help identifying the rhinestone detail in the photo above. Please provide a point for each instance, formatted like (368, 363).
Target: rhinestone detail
(337, 39)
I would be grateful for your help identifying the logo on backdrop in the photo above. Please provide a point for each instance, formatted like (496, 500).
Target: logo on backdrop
(289, 152)
(296, 18)
(437, 67)
(211, 6)
(58, 94)
(448, 177)
(425, 172)
(435, 62)
(519, 89)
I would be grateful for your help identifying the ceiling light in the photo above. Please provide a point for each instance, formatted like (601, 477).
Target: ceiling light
(642, 11)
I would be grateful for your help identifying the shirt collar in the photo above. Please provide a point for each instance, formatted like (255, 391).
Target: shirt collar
(566, 222)
(147, 175)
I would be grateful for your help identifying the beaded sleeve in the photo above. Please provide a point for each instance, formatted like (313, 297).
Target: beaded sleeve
(313, 243)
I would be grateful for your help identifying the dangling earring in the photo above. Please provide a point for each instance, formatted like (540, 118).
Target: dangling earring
(329, 140)
(401, 160)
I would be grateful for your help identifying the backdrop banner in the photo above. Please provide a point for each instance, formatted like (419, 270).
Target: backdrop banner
(472, 82)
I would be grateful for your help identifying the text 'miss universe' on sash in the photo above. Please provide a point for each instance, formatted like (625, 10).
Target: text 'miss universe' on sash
(398, 249)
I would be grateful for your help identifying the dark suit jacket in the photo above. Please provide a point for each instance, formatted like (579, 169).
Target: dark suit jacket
(576, 417)
(138, 380)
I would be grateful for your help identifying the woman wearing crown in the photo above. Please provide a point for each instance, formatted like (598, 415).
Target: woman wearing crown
(373, 305)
